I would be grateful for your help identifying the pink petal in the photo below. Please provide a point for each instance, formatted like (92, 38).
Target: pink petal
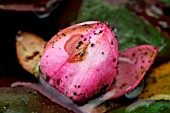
(79, 60)
(133, 65)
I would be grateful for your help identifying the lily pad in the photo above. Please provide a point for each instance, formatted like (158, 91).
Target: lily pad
(157, 82)
(147, 106)
(25, 100)
(167, 2)
(29, 48)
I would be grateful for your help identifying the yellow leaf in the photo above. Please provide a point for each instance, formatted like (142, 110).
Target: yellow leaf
(29, 48)
(157, 82)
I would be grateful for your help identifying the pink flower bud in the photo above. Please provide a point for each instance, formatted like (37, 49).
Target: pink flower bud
(81, 61)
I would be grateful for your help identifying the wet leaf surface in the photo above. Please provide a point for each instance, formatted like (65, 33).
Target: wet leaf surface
(157, 82)
(25, 100)
(29, 48)
(146, 106)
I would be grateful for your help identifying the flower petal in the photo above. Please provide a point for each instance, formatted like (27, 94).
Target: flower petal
(133, 64)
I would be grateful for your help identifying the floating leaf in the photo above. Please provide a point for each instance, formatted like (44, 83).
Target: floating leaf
(25, 100)
(146, 106)
(157, 82)
(29, 48)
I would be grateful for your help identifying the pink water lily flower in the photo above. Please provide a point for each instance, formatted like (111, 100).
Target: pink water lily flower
(82, 62)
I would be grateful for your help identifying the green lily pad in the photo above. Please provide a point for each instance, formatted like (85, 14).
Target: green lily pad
(167, 1)
(145, 106)
(25, 100)
(130, 29)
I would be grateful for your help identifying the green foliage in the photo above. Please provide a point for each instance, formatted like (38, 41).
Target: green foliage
(167, 2)
(145, 107)
(130, 29)
(16, 105)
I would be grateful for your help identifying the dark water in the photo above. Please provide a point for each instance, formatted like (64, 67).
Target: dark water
(13, 21)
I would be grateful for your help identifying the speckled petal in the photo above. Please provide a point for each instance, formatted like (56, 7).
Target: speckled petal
(133, 65)
(81, 61)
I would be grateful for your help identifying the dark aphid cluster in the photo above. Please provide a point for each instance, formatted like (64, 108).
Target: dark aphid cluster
(63, 34)
(79, 44)
(94, 32)
(92, 44)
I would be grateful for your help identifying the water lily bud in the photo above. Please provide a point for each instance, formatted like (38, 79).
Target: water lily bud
(81, 60)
